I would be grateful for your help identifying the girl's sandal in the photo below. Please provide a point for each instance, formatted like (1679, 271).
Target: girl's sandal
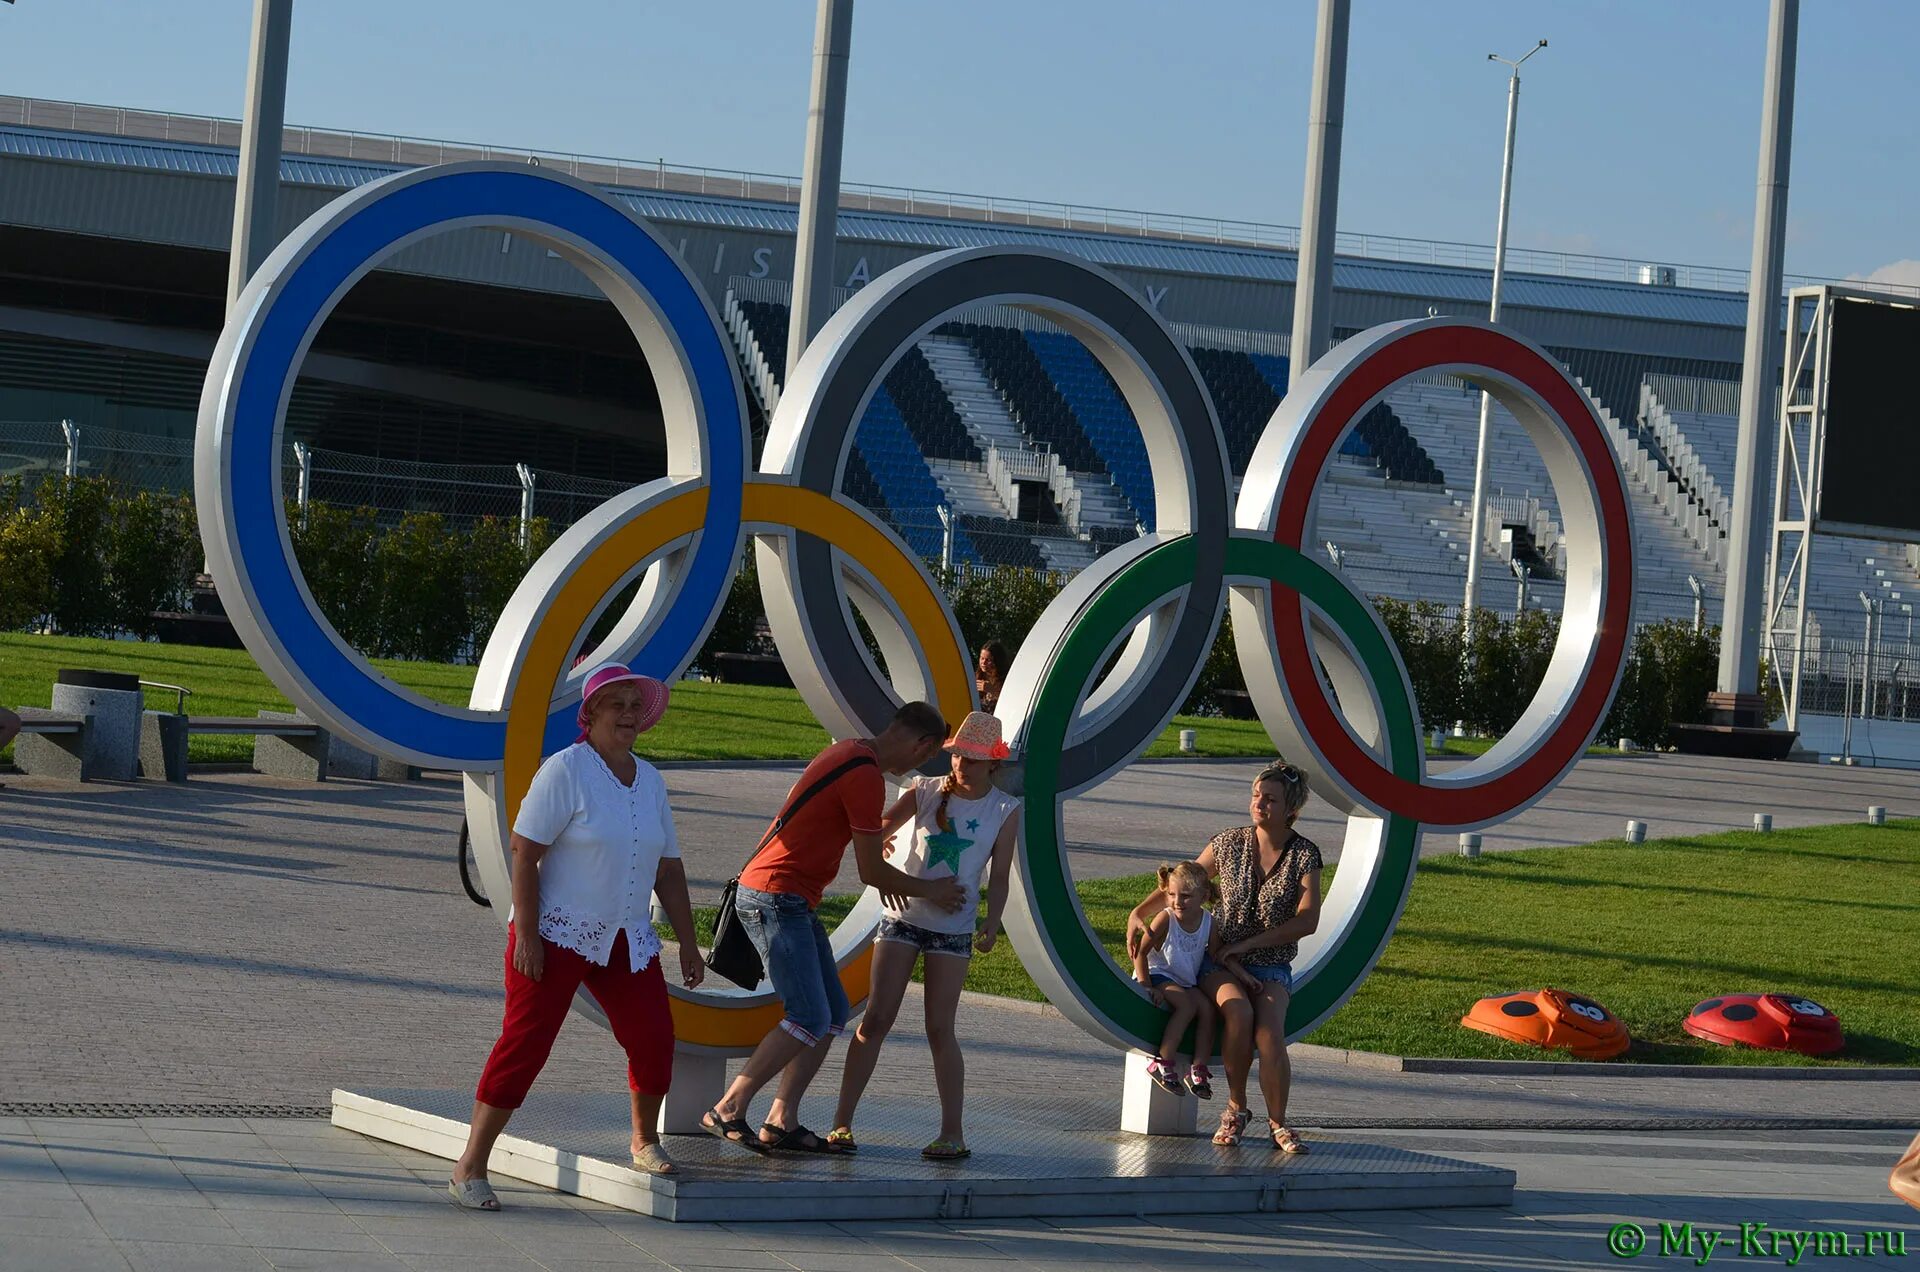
(1233, 1124)
(1285, 1138)
(946, 1150)
(840, 1140)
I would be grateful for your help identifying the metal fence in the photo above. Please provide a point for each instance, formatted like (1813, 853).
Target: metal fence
(1850, 679)
(658, 174)
(463, 493)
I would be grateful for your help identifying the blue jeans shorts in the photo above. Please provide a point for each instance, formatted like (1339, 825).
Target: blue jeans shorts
(799, 959)
(901, 932)
(1273, 973)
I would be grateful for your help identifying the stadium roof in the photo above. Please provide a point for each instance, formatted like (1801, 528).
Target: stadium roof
(1221, 260)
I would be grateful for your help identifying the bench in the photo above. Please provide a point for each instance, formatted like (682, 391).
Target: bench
(53, 744)
(284, 745)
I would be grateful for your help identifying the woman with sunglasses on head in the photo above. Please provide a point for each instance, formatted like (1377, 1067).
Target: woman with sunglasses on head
(1269, 880)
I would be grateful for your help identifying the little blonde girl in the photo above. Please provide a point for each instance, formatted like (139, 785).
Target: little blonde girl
(1180, 943)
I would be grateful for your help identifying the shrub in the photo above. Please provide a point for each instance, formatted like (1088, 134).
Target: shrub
(495, 564)
(335, 552)
(737, 630)
(1002, 604)
(80, 510)
(153, 550)
(422, 600)
(29, 546)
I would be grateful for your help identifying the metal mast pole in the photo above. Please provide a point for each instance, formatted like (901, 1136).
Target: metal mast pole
(260, 129)
(1320, 201)
(1747, 523)
(1479, 508)
(820, 178)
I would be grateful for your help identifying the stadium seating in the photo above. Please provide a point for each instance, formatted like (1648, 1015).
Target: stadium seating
(1031, 394)
(928, 411)
(1396, 512)
(1093, 399)
(904, 481)
(1243, 398)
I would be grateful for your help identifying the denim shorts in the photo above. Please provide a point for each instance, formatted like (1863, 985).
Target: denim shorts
(799, 959)
(903, 933)
(1268, 973)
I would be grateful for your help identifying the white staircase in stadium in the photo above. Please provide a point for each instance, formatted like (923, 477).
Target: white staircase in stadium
(968, 488)
(980, 405)
(1701, 443)
(984, 412)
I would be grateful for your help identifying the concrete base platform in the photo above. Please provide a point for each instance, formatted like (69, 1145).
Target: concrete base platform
(1021, 1167)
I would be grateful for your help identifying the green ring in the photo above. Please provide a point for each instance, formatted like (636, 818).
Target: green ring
(1077, 952)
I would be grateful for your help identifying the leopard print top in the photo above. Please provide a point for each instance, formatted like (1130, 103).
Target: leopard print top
(1243, 912)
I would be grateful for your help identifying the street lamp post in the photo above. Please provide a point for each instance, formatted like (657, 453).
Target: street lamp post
(1493, 315)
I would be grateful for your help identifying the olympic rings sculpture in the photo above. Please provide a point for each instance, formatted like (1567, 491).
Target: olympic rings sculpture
(1093, 684)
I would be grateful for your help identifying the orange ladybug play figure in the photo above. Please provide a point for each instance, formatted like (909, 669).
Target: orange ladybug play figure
(1551, 1018)
(1771, 1022)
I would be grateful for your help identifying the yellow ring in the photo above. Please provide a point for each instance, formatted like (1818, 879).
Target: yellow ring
(698, 1020)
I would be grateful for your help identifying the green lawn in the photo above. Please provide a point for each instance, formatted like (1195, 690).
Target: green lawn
(1648, 931)
(707, 722)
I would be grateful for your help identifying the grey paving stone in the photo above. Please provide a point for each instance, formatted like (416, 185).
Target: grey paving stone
(181, 1256)
(443, 1242)
(61, 1224)
(107, 1196)
(473, 1263)
(332, 1261)
(308, 1201)
(60, 1254)
(155, 1223)
(842, 1260)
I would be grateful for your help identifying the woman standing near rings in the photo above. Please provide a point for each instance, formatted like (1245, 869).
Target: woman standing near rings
(593, 842)
(962, 825)
(1269, 878)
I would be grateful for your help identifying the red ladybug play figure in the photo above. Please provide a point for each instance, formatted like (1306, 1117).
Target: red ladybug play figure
(1551, 1018)
(1771, 1022)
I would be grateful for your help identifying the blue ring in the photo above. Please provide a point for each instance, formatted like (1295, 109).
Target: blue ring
(296, 308)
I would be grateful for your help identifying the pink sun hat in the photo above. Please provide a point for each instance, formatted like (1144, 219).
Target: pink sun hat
(653, 696)
(978, 738)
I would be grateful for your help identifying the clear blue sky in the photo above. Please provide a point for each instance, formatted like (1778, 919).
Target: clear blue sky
(1638, 130)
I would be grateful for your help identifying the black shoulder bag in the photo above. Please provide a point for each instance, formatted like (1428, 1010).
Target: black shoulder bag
(733, 955)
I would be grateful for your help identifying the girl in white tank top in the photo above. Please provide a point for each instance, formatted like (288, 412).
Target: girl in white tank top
(1170, 962)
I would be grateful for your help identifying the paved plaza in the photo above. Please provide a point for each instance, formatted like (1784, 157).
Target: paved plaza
(211, 961)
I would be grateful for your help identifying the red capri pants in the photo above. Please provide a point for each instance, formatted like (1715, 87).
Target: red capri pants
(636, 1007)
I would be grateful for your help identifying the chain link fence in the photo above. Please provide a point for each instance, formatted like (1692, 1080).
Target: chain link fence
(464, 493)
(34, 450)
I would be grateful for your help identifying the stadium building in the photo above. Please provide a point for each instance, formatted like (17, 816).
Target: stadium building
(477, 367)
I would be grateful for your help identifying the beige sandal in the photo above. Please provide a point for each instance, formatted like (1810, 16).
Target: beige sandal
(473, 1194)
(1286, 1139)
(1233, 1124)
(654, 1160)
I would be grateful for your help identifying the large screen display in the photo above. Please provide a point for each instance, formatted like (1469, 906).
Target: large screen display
(1870, 473)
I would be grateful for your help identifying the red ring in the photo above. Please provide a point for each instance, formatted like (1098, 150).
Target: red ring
(1478, 802)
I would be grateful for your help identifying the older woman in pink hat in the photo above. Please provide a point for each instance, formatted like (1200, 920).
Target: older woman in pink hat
(592, 844)
(962, 825)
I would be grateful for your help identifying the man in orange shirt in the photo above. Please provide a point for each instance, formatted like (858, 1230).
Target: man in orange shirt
(840, 798)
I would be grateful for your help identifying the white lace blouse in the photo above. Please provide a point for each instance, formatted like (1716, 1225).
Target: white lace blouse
(606, 841)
